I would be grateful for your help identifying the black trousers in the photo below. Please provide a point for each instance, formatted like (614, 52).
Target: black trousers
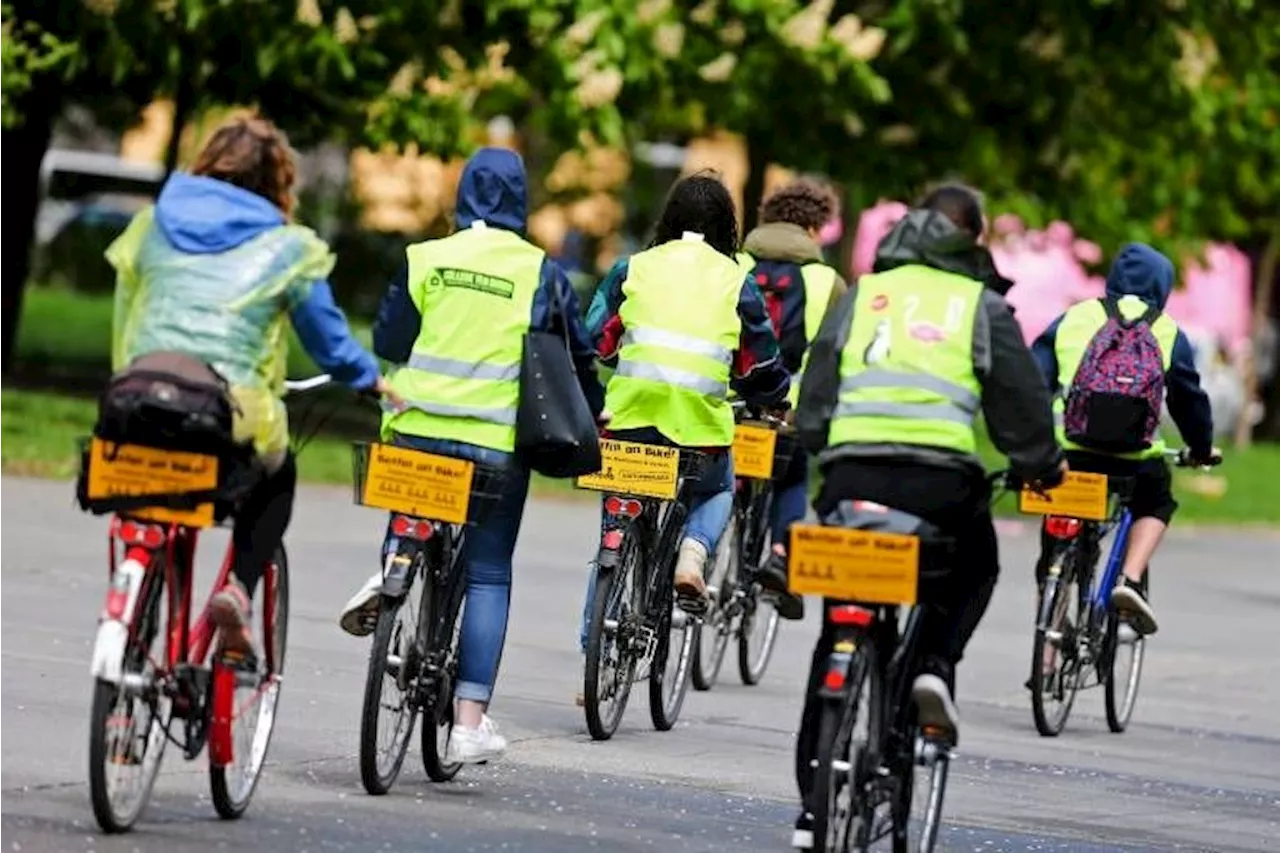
(958, 502)
(261, 521)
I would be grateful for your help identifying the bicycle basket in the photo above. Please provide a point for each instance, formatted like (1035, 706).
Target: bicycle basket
(425, 485)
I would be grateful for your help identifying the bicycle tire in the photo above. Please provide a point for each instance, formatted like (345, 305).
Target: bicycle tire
(1059, 596)
(666, 695)
(930, 822)
(106, 699)
(758, 615)
(1118, 702)
(435, 737)
(375, 779)
(837, 767)
(716, 627)
(228, 802)
(611, 603)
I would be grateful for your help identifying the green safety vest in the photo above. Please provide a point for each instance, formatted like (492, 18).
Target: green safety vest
(907, 374)
(680, 315)
(819, 281)
(462, 382)
(1076, 331)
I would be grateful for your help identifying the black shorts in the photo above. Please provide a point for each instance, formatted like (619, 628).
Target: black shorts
(1152, 495)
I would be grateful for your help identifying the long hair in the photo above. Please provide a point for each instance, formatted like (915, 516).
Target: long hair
(699, 203)
(253, 154)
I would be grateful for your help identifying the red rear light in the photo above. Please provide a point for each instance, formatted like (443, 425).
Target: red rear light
(129, 531)
(134, 533)
(611, 540)
(152, 536)
(401, 525)
(423, 530)
(412, 528)
(850, 614)
(613, 505)
(624, 507)
(834, 679)
(1061, 527)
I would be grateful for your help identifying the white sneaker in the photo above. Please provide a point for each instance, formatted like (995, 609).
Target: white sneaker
(360, 616)
(472, 746)
(1129, 602)
(934, 705)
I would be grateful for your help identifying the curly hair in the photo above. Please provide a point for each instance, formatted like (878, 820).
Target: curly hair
(700, 203)
(253, 154)
(802, 202)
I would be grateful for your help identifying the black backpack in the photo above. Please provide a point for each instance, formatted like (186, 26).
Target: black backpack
(168, 400)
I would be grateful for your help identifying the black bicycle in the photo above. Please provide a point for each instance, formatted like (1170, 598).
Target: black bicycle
(413, 664)
(740, 609)
(878, 773)
(636, 632)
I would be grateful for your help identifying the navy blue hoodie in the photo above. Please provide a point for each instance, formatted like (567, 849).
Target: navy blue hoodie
(1141, 271)
(492, 190)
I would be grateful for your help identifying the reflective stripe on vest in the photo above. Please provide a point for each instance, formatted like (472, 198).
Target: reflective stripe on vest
(680, 316)
(475, 291)
(907, 373)
(1076, 331)
(819, 281)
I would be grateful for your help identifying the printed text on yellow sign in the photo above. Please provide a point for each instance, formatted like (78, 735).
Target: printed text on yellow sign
(854, 565)
(630, 468)
(753, 449)
(118, 470)
(1081, 495)
(419, 484)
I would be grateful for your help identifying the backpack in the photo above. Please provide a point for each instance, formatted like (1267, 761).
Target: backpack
(1115, 398)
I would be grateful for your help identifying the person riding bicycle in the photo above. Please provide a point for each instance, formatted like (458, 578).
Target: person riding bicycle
(212, 271)
(455, 320)
(685, 324)
(1074, 354)
(786, 263)
(897, 376)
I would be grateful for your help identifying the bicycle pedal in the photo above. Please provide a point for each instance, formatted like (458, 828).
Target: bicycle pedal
(693, 605)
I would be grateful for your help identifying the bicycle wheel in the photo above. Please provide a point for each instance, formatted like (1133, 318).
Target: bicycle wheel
(1126, 649)
(611, 651)
(716, 627)
(437, 714)
(247, 700)
(758, 627)
(841, 810)
(672, 665)
(917, 814)
(128, 721)
(1054, 659)
(389, 712)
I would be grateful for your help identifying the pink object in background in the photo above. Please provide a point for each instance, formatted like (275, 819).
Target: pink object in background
(874, 223)
(831, 232)
(1215, 297)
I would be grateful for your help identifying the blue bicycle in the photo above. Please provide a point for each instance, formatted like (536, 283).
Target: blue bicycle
(1080, 639)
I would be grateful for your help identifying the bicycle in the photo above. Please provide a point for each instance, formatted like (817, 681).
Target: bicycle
(635, 630)
(151, 664)
(867, 562)
(413, 662)
(1080, 640)
(739, 610)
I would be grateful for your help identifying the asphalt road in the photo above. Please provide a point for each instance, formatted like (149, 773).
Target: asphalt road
(1199, 768)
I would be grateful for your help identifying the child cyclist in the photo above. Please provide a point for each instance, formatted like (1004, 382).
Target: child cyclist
(1107, 421)
(786, 263)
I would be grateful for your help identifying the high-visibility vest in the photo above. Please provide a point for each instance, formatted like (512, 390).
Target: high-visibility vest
(907, 373)
(475, 290)
(819, 281)
(1076, 331)
(680, 316)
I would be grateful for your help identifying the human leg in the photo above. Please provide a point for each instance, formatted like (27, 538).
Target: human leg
(711, 504)
(1153, 505)
(790, 498)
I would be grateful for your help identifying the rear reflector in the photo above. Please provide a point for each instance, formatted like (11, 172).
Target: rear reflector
(626, 507)
(850, 614)
(611, 540)
(834, 680)
(1061, 527)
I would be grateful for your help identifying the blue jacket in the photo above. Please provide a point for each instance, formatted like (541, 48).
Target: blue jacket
(1141, 271)
(492, 189)
(203, 216)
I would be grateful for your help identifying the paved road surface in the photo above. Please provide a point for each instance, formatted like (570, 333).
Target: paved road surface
(1198, 770)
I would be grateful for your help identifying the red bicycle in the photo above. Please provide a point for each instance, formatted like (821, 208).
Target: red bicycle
(156, 679)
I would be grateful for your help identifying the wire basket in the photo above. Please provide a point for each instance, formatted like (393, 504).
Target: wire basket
(488, 482)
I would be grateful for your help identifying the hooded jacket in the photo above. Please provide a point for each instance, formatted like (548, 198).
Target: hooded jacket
(1141, 271)
(492, 190)
(1015, 403)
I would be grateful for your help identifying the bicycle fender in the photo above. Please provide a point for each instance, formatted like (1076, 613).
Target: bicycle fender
(835, 683)
(107, 662)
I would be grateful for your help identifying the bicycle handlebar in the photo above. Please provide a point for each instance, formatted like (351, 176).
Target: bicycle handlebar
(740, 406)
(1181, 458)
(311, 383)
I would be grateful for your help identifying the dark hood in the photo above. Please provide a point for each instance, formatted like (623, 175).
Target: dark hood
(929, 238)
(492, 189)
(1141, 271)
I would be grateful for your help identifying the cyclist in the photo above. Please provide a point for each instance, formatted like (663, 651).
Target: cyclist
(898, 374)
(455, 319)
(786, 262)
(1138, 285)
(685, 323)
(212, 271)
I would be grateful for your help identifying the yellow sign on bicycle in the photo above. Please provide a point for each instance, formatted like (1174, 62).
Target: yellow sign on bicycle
(412, 482)
(1082, 495)
(631, 468)
(854, 565)
(118, 470)
(753, 449)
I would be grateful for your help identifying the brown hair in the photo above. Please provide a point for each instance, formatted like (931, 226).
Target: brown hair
(253, 154)
(802, 202)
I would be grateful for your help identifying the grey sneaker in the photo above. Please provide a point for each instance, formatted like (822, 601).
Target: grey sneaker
(1128, 600)
(935, 709)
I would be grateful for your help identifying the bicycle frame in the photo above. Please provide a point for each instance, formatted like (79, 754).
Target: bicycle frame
(1101, 594)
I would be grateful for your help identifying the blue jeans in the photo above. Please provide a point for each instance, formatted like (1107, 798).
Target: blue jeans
(489, 547)
(790, 497)
(709, 509)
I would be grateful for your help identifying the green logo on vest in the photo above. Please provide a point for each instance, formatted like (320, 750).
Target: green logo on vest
(472, 280)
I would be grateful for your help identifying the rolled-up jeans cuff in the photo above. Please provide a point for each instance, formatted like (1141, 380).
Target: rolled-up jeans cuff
(473, 692)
